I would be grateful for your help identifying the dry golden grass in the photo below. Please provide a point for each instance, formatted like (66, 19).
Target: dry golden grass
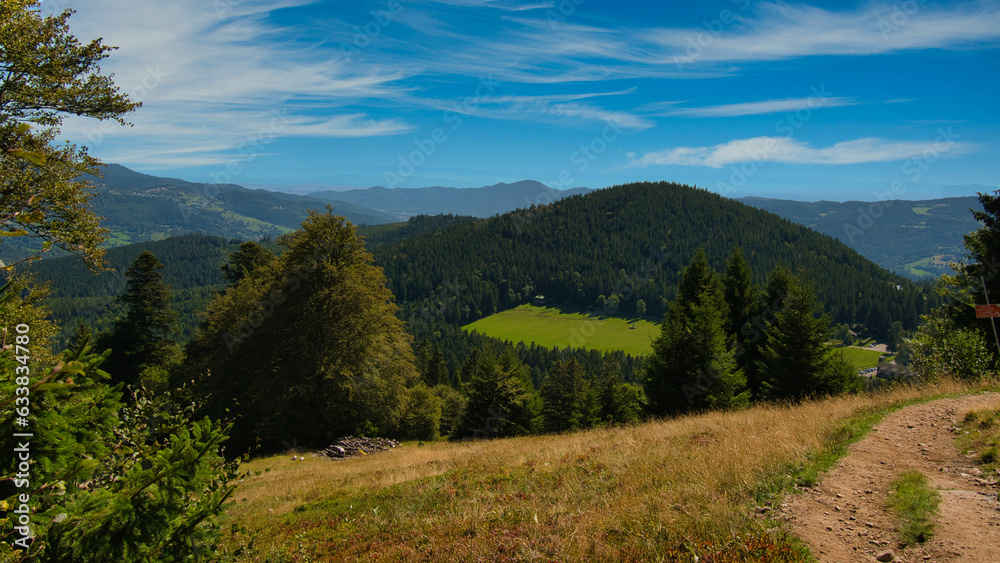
(657, 491)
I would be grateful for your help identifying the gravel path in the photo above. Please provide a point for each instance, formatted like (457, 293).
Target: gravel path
(844, 518)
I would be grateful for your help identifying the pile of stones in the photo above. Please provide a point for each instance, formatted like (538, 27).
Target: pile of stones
(351, 446)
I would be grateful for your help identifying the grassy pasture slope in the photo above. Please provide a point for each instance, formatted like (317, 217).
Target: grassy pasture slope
(662, 490)
(568, 326)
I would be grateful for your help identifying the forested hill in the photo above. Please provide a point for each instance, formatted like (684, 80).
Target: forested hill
(191, 268)
(918, 239)
(631, 242)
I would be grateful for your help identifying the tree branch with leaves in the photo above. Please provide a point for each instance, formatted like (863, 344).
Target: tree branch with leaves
(46, 74)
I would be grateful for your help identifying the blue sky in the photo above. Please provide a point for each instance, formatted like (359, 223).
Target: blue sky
(825, 100)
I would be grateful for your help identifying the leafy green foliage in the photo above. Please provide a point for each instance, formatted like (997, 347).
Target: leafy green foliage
(47, 74)
(896, 337)
(618, 402)
(942, 347)
(423, 414)
(938, 343)
(308, 349)
(245, 261)
(452, 408)
(107, 482)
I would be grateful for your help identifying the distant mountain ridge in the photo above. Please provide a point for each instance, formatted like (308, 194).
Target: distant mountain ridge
(277, 211)
(915, 238)
(624, 244)
(476, 202)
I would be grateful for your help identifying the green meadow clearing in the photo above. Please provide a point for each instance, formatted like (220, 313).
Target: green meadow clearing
(861, 357)
(567, 326)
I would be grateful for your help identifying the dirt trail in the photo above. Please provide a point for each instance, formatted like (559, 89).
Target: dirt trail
(844, 519)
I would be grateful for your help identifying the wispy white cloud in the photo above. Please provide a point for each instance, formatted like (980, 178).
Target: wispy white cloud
(753, 108)
(567, 109)
(212, 75)
(211, 72)
(792, 151)
(780, 31)
(532, 49)
(505, 5)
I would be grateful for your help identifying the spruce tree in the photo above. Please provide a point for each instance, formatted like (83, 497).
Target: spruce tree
(896, 336)
(798, 360)
(691, 366)
(566, 399)
(502, 401)
(110, 482)
(143, 337)
(740, 293)
(743, 299)
(618, 402)
(436, 370)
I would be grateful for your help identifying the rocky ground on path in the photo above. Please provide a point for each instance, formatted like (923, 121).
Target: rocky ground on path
(844, 518)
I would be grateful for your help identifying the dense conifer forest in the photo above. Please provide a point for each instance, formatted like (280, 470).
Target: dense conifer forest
(629, 243)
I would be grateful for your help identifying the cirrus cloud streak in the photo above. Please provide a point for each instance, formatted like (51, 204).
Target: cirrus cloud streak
(792, 151)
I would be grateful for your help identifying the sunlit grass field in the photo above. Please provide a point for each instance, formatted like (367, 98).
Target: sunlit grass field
(566, 326)
(660, 491)
(861, 357)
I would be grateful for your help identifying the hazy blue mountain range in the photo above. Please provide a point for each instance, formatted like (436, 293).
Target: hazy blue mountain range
(476, 202)
(914, 238)
(139, 207)
(143, 207)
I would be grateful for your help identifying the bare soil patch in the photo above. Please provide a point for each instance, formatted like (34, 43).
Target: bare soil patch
(844, 518)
